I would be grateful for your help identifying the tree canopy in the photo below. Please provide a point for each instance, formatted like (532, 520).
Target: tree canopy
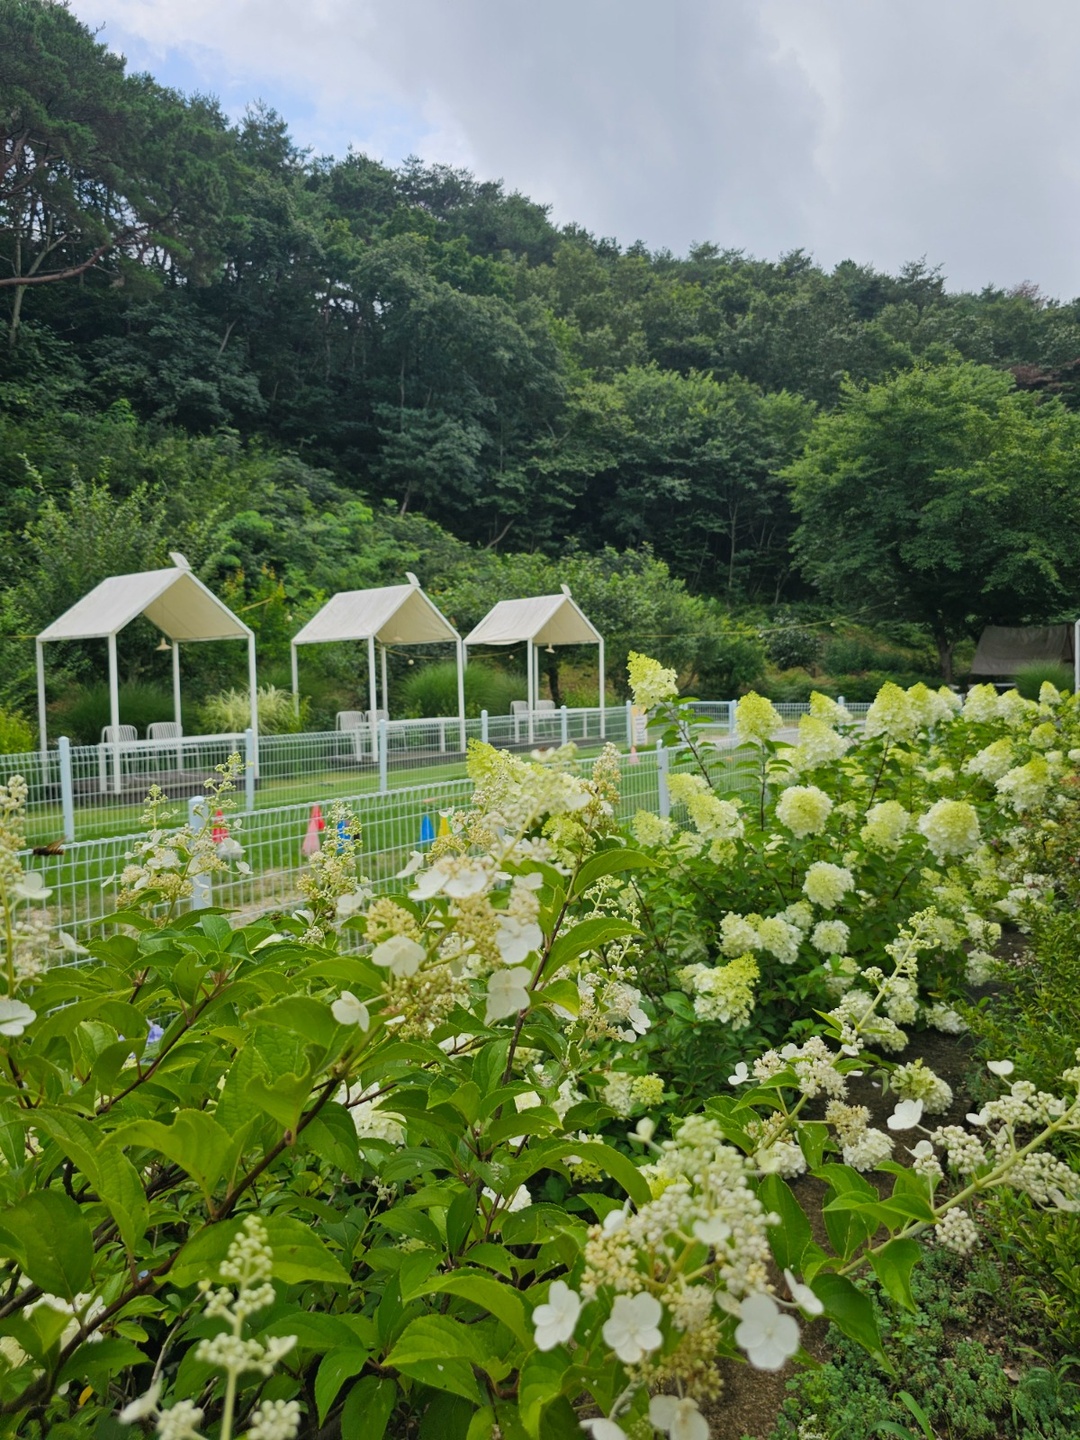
(281, 352)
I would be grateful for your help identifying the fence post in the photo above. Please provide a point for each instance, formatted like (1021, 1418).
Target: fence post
(630, 723)
(564, 725)
(484, 726)
(67, 790)
(662, 761)
(731, 716)
(840, 701)
(249, 770)
(199, 818)
(383, 759)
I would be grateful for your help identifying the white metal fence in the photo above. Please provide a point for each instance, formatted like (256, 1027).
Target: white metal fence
(87, 792)
(82, 876)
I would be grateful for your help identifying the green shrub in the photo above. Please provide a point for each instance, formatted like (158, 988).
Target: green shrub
(791, 686)
(84, 713)
(230, 710)
(16, 734)
(792, 647)
(1031, 678)
(432, 690)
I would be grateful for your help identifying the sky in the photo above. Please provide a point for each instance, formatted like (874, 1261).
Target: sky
(881, 131)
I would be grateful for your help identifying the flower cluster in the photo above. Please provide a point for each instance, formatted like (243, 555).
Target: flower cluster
(650, 683)
(722, 992)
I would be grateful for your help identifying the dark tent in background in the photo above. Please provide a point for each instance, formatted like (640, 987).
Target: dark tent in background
(1003, 649)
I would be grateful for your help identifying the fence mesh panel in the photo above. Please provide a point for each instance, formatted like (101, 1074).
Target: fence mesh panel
(81, 878)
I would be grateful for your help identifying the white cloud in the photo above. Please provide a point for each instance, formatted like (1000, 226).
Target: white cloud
(880, 132)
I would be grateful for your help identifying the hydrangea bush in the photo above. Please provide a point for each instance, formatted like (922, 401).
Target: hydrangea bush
(768, 900)
(410, 1163)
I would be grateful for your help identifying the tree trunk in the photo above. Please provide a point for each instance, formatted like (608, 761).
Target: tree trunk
(553, 680)
(945, 648)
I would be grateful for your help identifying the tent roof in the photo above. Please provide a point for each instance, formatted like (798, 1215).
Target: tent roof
(545, 620)
(1002, 649)
(174, 600)
(394, 614)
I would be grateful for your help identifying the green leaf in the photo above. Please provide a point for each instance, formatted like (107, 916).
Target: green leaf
(441, 1353)
(282, 1099)
(586, 937)
(367, 1409)
(560, 992)
(852, 1312)
(52, 1242)
(502, 1301)
(813, 1136)
(194, 1141)
(335, 1368)
(310, 1019)
(893, 1265)
(332, 1136)
(612, 1162)
(459, 1218)
(299, 1255)
(789, 1239)
(609, 862)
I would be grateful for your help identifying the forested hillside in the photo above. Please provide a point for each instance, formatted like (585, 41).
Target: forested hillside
(310, 372)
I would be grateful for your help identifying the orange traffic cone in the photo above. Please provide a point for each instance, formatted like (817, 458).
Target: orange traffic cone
(316, 825)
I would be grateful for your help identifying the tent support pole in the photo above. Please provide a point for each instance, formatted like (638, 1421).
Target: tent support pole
(114, 712)
(603, 689)
(373, 714)
(43, 738)
(460, 646)
(295, 679)
(382, 679)
(253, 694)
(531, 669)
(177, 714)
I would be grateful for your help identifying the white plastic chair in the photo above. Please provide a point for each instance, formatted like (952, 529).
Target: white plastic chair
(118, 734)
(164, 730)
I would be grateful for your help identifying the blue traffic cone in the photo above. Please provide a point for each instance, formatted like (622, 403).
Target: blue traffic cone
(427, 831)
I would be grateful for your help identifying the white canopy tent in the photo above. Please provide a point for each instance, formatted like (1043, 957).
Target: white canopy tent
(174, 600)
(543, 621)
(390, 615)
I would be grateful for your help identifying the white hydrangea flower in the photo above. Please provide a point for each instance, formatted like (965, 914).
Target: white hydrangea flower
(678, 1417)
(554, 1321)
(400, 954)
(15, 1017)
(826, 884)
(507, 992)
(768, 1336)
(633, 1329)
(950, 827)
(804, 810)
(348, 1010)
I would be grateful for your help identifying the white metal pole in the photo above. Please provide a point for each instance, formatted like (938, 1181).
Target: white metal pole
(373, 713)
(382, 677)
(43, 737)
(253, 691)
(603, 691)
(295, 679)
(177, 716)
(67, 790)
(531, 685)
(460, 646)
(114, 712)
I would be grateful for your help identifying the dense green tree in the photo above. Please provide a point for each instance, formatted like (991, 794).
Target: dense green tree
(97, 168)
(945, 497)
